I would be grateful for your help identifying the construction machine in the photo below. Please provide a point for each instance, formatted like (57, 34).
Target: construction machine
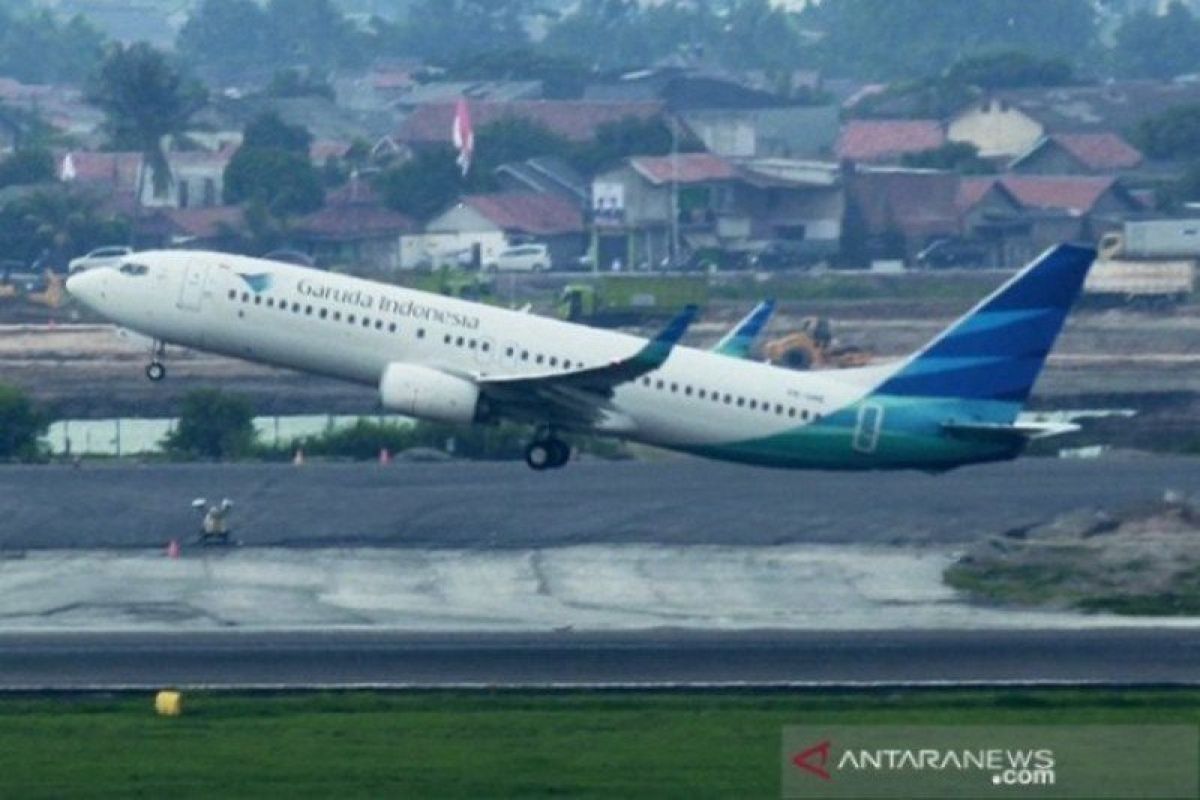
(813, 347)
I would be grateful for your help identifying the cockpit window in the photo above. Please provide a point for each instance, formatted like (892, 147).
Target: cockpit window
(130, 268)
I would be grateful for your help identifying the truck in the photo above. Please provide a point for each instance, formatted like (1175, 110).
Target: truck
(632, 299)
(1150, 263)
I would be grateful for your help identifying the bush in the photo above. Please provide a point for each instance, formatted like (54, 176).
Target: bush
(212, 424)
(21, 423)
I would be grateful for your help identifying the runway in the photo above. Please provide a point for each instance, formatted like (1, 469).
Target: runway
(678, 501)
(380, 659)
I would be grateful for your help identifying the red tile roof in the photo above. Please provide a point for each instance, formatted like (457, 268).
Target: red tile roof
(528, 212)
(684, 168)
(885, 139)
(571, 119)
(118, 170)
(1075, 194)
(1099, 151)
(355, 221)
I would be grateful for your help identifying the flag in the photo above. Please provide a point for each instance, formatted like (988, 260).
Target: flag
(463, 136)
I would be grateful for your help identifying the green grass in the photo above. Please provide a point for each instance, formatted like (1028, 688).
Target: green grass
(480, 745)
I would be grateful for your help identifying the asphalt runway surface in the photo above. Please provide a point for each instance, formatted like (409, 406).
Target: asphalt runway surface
(38, 662)
(505, 505)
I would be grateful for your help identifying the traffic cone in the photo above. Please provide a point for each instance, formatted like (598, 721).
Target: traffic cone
(298, 459)
(173, 548)
(385, 456)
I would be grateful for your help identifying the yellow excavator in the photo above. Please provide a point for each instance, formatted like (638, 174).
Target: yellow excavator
(813, 347)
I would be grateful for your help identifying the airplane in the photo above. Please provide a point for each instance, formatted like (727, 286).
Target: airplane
(953, 402)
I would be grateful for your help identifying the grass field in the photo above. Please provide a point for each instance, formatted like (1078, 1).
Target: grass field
(480, 745)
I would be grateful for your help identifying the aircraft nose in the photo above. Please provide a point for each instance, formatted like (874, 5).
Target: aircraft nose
(87, 287)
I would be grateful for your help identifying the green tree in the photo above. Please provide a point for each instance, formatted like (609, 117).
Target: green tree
(225, 39)
(1151, 46)
(21, 424)
(632, 136)
(144, 99)
(1010, 69)
(285, 182)
(1175, 133)
(446, 31)
(890, 39)
(23, 167)
(961, 157)
(36, 48)
(511, 139)
(57, 221)
(313, 34)
(296, 83)
(212, 424)
(269, 131)
(424, 185)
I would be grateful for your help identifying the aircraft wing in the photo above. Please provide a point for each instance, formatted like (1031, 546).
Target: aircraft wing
(1019, 431)
(583, 396)
(740, 339)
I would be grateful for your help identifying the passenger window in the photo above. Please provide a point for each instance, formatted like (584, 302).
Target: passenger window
(566, 363)
(392, 327)
(741, 401)
(540, 358)
(324, 313)
(258, 299)
(524, 355)
(674, 387)
(350, 318)
(270, 301)
(245, 297)
(233, 294)
(553, 361)
(658, 385)
(754, 404)
(447, 339)
(378, 324)
(337, 316)
(509, 351)
(459, 341)
(420, 333)
(700, 394)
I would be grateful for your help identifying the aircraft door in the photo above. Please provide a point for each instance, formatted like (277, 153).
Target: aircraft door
(870, 422)
(191, 291)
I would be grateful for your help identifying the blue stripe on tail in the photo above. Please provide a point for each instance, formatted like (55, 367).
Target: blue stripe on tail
(997, 350)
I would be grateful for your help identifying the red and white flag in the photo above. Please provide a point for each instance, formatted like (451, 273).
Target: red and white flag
(463, 135)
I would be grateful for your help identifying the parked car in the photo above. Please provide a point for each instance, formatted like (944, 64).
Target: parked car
(100, 257)
(781, 254)
(948, 253)
(520, 258)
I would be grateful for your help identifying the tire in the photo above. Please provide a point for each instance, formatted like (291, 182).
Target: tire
(155, 371)
(560, 453)
(539, 456)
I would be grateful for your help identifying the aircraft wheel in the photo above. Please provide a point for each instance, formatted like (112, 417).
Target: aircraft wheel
(155, 371)
(539, 456)
(560, 453)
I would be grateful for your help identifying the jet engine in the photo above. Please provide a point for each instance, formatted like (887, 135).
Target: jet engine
(418, 391)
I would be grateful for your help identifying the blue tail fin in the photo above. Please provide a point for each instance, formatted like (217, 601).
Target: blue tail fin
(740, 340)
(996, 351)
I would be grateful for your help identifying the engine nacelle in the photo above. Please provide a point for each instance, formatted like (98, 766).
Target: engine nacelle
(428, 393)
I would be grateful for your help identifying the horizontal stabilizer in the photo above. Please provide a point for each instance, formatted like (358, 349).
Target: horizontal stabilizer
(1020, 432)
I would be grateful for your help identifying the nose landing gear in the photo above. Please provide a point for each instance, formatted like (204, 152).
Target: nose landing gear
(547, 451)
(156, 370)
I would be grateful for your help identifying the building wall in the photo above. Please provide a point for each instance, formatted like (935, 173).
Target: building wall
(996, 128)
(1050, 160)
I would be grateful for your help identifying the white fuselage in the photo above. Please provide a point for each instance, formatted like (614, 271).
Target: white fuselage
(352, 329)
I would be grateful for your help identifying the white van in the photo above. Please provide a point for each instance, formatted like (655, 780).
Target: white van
(520, 258)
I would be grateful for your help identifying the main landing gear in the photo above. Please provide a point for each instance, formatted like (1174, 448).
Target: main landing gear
(156, 370)
(547, 451)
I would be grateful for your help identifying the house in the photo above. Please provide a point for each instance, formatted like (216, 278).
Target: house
(1023, 215)
(116, 176)
(354, 229)
(805, 132)
(214, 228)
(197, 180)
(448, 92)
(893, 212)
(1078, 154)
(886, 140)
(545, 175)
(707, 202)
(1007, 124)
(574, 120)
(479, 226)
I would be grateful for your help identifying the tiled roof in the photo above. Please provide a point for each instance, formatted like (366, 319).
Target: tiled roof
(1096, 151)
(1075, 194)
(884, 139)
(573, 120)
(354, 221)
(118, 170)
(684, 168)
(528, 212)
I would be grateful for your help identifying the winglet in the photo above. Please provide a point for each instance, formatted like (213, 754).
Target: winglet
(740, 340)
(656, 351)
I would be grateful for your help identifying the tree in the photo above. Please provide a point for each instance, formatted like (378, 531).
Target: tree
(447, 31)
(212, 424)
(961, 157)
(269, 131)
(1010, 69)
(1175, 133)
(424, 185)
(36, 48)
(23, 167)
(511, 139)
(59, 222)
(226, 39)
(890, 39)
(1150, 46)
(145, 99)
(285, 182)
(21, 424)
(313, 34)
